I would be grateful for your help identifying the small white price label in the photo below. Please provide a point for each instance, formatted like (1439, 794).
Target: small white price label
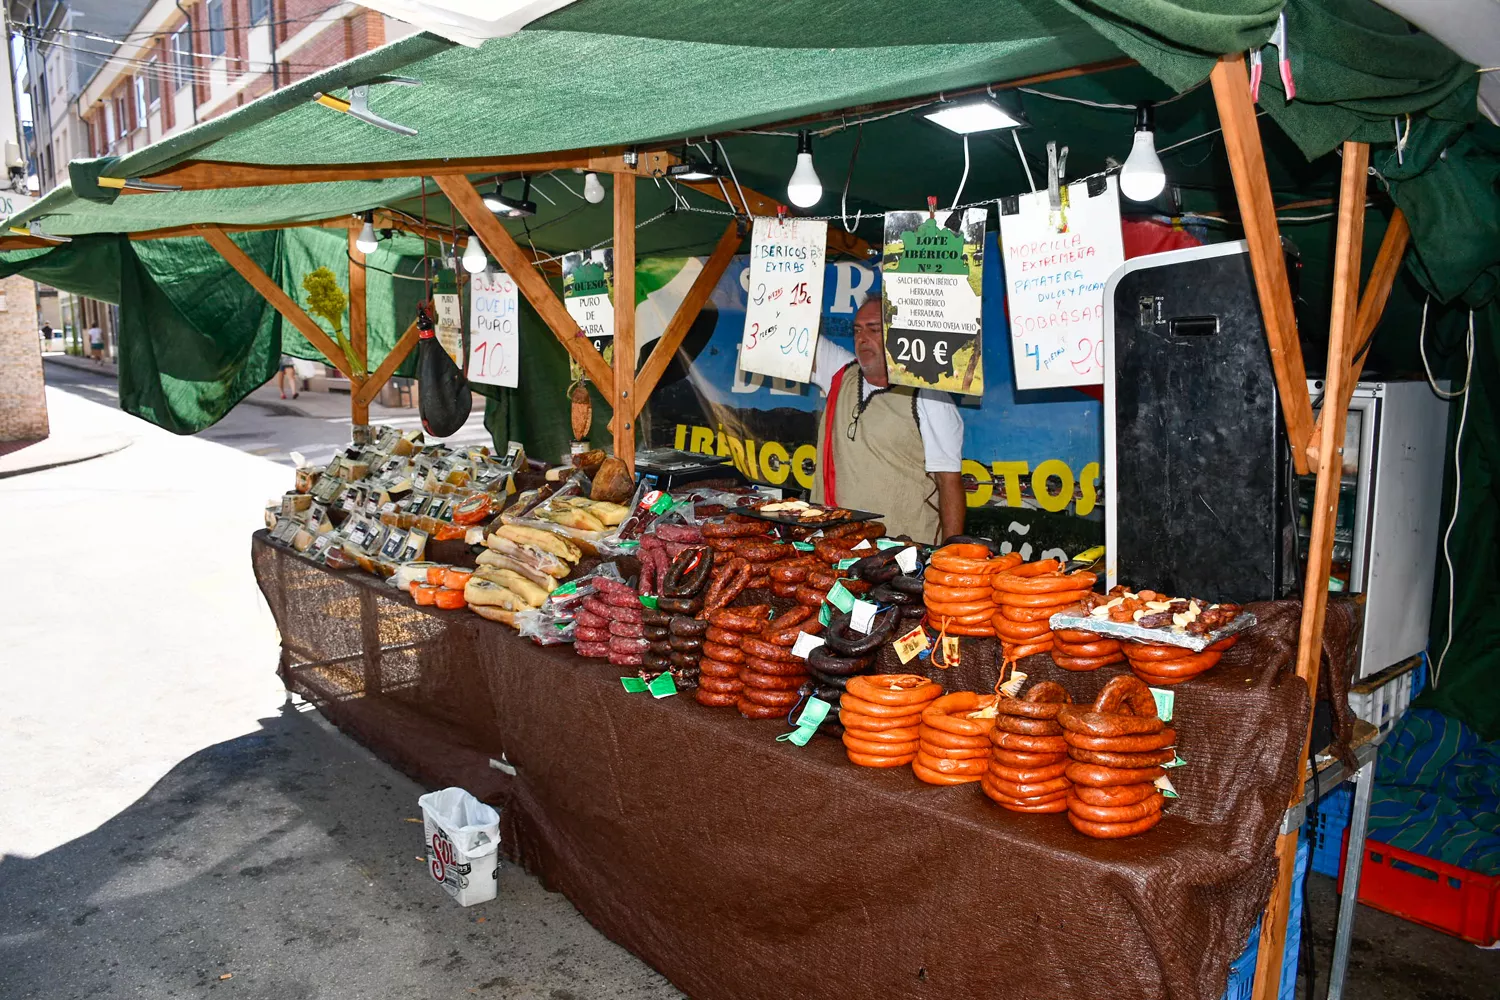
(907, 559)
(862, 617)
(805, 644)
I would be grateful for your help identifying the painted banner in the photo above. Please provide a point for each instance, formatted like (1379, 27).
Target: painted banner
(932, 269)
(494, 337)
(1038, 449)
(1056, 266)
(588, 287)
(785, 300)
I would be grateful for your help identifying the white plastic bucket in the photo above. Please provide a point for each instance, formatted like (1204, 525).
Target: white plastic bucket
(463, 841)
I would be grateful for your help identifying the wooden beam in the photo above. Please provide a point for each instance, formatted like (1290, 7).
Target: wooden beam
(1341, 335)
(367, 392)
(623, 397)
(1371, 306)
(682, 320)
(196, 228)
(538, 292)
(359, 413)
(272, 293)
(1247, 162)
(759, 204)
(204, 175)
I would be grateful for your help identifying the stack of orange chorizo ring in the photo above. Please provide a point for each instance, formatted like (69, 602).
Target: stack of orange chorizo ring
(1164, 665)
(882, 714)
(1028, 759)
(1029, 594)
(1075, 649)
(956, 588)
(719, 683)
(953, 743)
(1117, 747)
(769, 674)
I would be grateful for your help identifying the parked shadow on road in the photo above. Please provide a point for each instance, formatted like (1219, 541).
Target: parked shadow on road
(284, 864)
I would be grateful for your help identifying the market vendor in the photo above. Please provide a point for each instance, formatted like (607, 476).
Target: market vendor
(889, 449)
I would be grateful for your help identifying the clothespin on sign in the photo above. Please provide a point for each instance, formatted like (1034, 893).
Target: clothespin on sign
(1284, 60)
(358, 103)
(1057, 192)
(781, 214)
(932, 206)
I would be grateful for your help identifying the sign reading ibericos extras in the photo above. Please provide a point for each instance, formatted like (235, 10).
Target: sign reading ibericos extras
(933, 283)
(785, 298)
(1056, 265)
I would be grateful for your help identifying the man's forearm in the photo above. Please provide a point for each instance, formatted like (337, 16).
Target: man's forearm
(952, 505)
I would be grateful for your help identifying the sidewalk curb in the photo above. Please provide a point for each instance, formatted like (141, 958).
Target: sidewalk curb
(108, 446)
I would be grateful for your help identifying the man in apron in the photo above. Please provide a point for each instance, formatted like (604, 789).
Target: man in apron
(890, 449)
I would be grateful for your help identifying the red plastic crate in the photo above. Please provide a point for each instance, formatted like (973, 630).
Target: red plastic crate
(1431, 893)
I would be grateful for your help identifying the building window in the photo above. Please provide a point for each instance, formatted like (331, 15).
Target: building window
(138, 85)
(109, 126)
(215, 27)
(122, 115)
(182, 56)
(259, 10)
(153, 83)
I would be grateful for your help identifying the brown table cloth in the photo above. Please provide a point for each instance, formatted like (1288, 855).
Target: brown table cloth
(740, 866)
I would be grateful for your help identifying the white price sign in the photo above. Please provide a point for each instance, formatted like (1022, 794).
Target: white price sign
(494, 333)
(784, 298)
(1056, 266)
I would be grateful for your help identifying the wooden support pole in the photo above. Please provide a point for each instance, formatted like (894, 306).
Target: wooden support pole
(1341, 335)
(686, 314)
(359, 413)
(1371, 306)
(549, 307)
(1252, 186)
(377, 380)
(623, 396)
(272, 293)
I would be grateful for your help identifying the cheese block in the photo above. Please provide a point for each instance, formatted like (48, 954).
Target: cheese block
(489, 593)
(495, 614)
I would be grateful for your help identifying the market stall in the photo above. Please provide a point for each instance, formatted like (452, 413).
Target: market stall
(441, 692)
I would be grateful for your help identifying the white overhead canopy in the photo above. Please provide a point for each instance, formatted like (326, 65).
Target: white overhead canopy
(1470, 28)
(467, 22)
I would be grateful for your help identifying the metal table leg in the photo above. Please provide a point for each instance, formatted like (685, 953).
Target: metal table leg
(1364, 785)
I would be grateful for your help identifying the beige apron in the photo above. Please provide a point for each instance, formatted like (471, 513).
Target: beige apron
(883, 468)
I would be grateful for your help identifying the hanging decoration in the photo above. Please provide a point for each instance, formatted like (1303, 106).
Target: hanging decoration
(931, 282)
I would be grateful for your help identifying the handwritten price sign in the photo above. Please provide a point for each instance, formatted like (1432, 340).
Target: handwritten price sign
(494, 333)
(784, 298)
(1056, 266)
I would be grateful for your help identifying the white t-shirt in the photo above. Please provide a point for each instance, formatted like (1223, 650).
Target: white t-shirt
(941, 424)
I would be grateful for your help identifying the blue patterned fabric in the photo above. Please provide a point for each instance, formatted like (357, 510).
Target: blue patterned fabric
(1437, 792)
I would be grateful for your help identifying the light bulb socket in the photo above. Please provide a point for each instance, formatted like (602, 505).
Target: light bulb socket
(1145, 118)
(804, 141)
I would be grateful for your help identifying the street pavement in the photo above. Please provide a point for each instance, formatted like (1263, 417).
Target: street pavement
(170, 825)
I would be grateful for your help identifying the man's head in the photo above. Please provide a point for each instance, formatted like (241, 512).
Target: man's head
(869, 342)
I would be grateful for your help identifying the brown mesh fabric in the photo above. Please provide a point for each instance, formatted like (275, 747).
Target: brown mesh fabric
(741, 866)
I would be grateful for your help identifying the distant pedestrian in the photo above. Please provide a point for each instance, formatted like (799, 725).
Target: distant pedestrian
(286, 375)
(96, 343)
(46, 336)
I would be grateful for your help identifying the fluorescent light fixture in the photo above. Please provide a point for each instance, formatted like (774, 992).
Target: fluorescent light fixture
(691, 168)
(968, 117)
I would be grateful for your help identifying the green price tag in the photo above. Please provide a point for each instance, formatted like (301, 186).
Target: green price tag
(1175, 762)
(649, 601)
(1164, 785)
(566, 589)
(889, 543)
(824, 615)
(840, 598)
(803, 546)
(663, 686)
(663, 504)
(629, 545)
(1164, 701)
(814, 714)
(633, 684)
(844, 564)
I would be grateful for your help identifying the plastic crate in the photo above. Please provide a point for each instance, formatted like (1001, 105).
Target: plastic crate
(1382, 699)
(1432, 893)
(1325, 832)
(1242, 969)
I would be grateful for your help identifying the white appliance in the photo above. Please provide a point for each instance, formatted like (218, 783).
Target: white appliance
(1390, 518)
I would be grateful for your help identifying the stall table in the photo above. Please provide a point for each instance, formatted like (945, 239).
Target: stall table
(741, 866)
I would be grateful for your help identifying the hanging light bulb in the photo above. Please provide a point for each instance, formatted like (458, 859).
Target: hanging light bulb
(804, 189)
(1142, 178)
(593, 191)
(366, 241)
(474, 256)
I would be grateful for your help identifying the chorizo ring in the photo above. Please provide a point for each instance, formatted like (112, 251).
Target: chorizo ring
(1042, 701)
(1123, 744)
(1181, 668)
(1026, 614)
(711, 667)
(779, 668)
(715, 699)
(1093, 774)
(772, 699)
(1103, 647)
(791, 616)
(1089, 723)
(1113, 795)
(1024, 761)
(857, 705)
(894, 689)
(943, 765)
(957, 595)
(759, 648)
(1104, 758)
(824, 661)
(757, 551)
(981, 631)
(1020, 631)
(873, 760)
(1029, 744)
(950, 713)
(1015, 583)
(1126, 695)
(952, 741)
(1026, 776)
(980, 609)
(751, 619)
(859, 745)
(965, 550)
(859, 722)
(732, 529)
(1028, 727)
(1052, 599)
(1029, 790)
(770, 682)
(903, 735)
(1082, 663)
(1079, 636)
(1155, 651)
(931, 777)
(793, 571)
(1055, 805)
(1039, 568)
(752, 709)
(731, 655)
(952, 753)
(955, 564)
(945, 579)
(1016, 651)
(1113, 831)
(723, 636)
(1116, 814)
(719, 685)
(810, 596)
(993, 787)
